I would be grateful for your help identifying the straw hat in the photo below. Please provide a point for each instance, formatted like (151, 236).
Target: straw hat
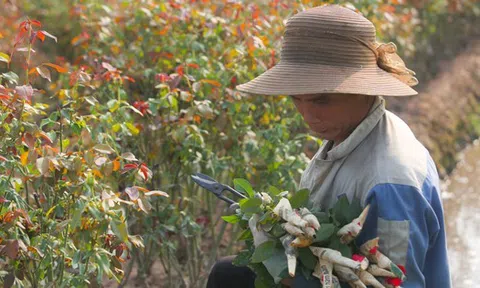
(331, 49)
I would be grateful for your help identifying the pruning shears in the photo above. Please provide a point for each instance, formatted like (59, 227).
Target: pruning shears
(216, 188)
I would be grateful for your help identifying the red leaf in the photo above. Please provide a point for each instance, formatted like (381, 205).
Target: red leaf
(202, 220)
(35, 23)
(18, 38)
(145, 170)
(162, 77)
(129, 167)
(179, 70)
(3, 200)
(25, 92)
(3, 158)
(11, 248)
(29, 140)
(22, 25)
(129, 79)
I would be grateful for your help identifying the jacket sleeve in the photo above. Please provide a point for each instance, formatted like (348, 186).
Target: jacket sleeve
(409, 223)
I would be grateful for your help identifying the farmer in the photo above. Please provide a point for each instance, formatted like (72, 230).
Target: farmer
(336, 74)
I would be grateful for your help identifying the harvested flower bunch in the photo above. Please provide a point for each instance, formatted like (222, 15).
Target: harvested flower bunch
(291, 238)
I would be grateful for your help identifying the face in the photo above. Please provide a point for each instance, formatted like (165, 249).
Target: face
(333, 116)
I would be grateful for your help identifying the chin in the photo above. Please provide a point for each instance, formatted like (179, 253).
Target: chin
(324, 135)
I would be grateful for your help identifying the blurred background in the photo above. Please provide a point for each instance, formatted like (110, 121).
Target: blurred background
(140, 94)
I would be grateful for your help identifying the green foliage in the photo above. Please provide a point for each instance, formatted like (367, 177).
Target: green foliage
(148, 100)
(307, 258)
(300, 198)
(263, 251)
(67, 192)
(271, 253)
(325, 232)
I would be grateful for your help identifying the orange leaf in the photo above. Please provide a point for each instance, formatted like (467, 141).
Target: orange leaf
(212, 82)
(197, 119)
(56, 67)
(45, 137)
(33, 71)
(24, 158)
(193, 65)
(97, 173)
(141, 188)
(163, 31)
(116, 165)
(41, 36)
(45, 33)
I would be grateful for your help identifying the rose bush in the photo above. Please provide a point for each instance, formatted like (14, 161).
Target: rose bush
(141, 96)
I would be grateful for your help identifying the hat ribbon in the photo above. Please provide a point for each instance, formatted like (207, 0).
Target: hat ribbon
(387, 59)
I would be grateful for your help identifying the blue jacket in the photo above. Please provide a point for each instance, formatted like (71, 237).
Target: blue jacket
(384, 165)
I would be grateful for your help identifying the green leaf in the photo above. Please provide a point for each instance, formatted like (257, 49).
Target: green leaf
(231, 219)
(4, 57)
(274, 191)
(307, 258)
(263, 251)
(243, 258)
(277, 230)
(324, 233)
(243, 185)
(306, 272)
(396, 270)
(246, 234)
(263, 279)
(11, 77)
(134, 130)
(252, 205)
(259, 283)
(300, 199)
(120, 229)
(267, 217)
(354, 210)
(322, 217)
(103, 148)
(340, 210)
(77, 214)
(339, 246)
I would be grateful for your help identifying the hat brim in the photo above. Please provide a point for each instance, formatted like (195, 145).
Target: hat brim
(298, 79)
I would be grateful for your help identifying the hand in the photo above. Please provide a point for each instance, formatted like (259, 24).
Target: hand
(259, 236)
(232, 209)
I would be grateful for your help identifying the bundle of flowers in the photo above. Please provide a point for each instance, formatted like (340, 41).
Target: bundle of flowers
(285, 236)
